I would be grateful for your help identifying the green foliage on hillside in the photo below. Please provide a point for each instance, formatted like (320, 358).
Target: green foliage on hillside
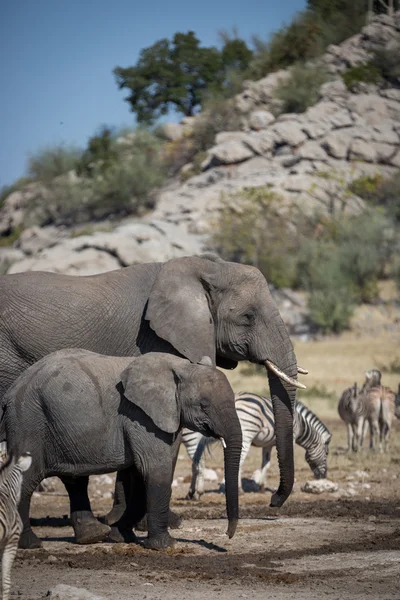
(48, 163)
(177, 73)
(337, 259)
(301, 90)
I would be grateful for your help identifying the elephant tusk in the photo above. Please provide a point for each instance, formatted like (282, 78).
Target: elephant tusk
(223, 442)
(270, 365)
(302, 371)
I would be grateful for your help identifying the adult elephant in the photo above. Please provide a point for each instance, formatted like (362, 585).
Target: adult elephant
(194, 307)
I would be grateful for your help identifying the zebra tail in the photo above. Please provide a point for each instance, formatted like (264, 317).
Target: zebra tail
(204, 445)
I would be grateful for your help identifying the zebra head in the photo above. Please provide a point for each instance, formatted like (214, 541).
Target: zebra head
(317, 455)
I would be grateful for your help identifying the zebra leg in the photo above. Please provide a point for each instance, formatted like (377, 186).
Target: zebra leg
(9, 553)
(363, 432)
(349, 437)
(374, 428)
(87, 529)
(355, 437)
(265, 465)
(245, 450)
(196, 489)
(28, 539)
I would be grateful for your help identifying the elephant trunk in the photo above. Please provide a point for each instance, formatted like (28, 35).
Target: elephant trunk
(283, 398)
(232, 453)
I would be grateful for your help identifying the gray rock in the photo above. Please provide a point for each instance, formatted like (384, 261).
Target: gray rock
(68, 592)
(61, 259)
(229, 153)
(334, 90)
(312, 151)
(371, 107)
(319, 486)
(392, 94)
(260, 143)
(336, 144)
(230, 136)
(360, 150)
(171, 131)
(395, 160)
(260, 119)
(35, 239)
(288, 133)
(384, 152)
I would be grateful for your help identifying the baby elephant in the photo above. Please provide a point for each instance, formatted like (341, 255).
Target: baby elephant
(82, 413)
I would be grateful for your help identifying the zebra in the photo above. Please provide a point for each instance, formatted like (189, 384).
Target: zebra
(397, 403)
(10, 521)
(374, 406)
(258, 429)
(350, 410)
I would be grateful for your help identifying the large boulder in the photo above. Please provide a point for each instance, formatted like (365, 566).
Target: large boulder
(260, 119)
(229, 153)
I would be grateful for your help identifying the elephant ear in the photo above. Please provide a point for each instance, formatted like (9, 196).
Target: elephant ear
(150, 383)
(178, 308)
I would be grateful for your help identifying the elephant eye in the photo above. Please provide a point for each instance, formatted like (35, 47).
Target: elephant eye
(204, 404)
(249, 317)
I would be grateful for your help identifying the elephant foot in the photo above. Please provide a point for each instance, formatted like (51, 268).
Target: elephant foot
(174, 522)
(88, 530)
(29, 540)
(114, 515)
(121, 535)
(159, 542)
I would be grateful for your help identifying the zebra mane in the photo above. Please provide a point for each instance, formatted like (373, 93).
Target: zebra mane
(6, 468)
(308, 415)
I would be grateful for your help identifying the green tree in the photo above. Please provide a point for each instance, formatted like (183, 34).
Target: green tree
(177, 73)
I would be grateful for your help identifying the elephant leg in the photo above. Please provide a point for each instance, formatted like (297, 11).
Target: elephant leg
(119, 504)
(158, 493)
(88, 530)
(174, 520)
(135, 493)
(28, 540)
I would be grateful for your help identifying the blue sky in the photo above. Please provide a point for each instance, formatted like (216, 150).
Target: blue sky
(57, 58)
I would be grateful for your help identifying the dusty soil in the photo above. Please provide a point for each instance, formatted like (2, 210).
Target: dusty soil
(331, 545)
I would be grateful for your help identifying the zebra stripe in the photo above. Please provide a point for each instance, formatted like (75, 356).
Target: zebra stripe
(10, 521)
(258, 429)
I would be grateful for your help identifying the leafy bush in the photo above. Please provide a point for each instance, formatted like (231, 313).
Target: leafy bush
(12, 237)
(6, 190)
(251, 230)
(218, 115)
(381, 192)
(387, 63)
(331, 309)
(366, 186)
(301, 90)
(298, 41)
(366, 73)
(49, 163)
(115, 186)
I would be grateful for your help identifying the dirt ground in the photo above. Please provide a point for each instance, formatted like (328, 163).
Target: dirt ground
(331, 545)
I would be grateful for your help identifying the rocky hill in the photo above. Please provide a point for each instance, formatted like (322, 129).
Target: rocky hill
(347, 134)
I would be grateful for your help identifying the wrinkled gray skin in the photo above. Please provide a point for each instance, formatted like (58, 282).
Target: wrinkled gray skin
(192, 306)
(82, 413)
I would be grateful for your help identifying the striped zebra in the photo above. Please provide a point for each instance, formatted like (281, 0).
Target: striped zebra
(258, 429)
(397, 403)
(374, 406)
(10, 521)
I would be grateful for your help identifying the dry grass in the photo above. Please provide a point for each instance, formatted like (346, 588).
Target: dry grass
(333, 363)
